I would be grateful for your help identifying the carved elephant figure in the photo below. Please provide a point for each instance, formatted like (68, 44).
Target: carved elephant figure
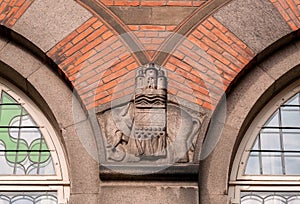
(117, 125)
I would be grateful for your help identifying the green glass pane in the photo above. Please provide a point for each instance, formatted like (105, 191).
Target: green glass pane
(39, 145)
(22, 140)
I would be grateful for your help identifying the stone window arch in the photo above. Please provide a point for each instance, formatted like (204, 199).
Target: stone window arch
(266, 167)
(33, 167)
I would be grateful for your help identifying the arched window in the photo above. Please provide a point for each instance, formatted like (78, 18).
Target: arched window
(267, 166)
(32, 165)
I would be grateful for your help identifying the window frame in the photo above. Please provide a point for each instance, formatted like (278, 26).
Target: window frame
(60, 180)
(238, 181)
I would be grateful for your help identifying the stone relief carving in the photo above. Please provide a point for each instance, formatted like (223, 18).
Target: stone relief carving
(150, 127)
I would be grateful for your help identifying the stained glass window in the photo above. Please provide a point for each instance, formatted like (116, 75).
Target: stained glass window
(270, 198)
(276, 150)
(23, 149)
(28, 198)
(32, 165)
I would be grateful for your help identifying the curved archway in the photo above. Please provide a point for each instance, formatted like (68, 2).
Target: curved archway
(37, 80)
(245, 99)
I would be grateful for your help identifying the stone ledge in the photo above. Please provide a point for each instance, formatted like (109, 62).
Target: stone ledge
(177, 172)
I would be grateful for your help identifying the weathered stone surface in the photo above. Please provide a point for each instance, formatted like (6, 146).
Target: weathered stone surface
(45, 23)
(85, 198)
(57, 95)
(257, 23)
(214, 169)
(245, 96)
(84, 170)
(18, 58)
(214, 199)
(281, 61)
(152, 15)
(149, 194)
(3, 42)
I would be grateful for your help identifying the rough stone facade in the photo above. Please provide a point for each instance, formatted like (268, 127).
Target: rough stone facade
(76, 59)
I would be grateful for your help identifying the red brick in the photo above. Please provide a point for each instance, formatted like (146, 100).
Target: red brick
(189, 53)
(153, 3)
(218, 56)
(178, 54)
(153, 27)
(100, 54)
(97, 24)
(81, 78)
(208, 25)
(198, 43)
(179, 3)
(107, 35)
(157, 40)
(76, 48)
(207, 63)
(97, 33)
(292, 25)
(11, 12)
(188, 97)
(2, 7)
(222, 36)
(103, 87)
(12, 3)
(203, 97)
(126, 3)
(172, 91)
(170, 66)
(198, 3)
(180, 86)
(282, 11)
(212, 45)
(115, 75)
(122, 64)
(19, 3)
(217, 24)
(101, 95)
(84, 57)
(188, 44)
(164, 34)
(86, 25)
(82, 35)
(243, 52)
(145, 40)
(170, 28)
(133, 27)
(197, 34)
(226, 68)
(207, 33)
(194, 64)
(180, 64)
(175, 77)
(198, 88)
(132, 66)
(243, 59)
(227, 48)
(208, 106)
(124, 85)
(233, 59)
(284, 4)
(69, 60)
(23, 8)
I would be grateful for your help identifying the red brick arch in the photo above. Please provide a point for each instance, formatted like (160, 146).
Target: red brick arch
(202, 64)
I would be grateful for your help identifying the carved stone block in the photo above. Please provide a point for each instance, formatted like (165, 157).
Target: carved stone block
(150, 127)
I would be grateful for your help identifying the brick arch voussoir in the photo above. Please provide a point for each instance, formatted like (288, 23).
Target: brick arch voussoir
(94, 57)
